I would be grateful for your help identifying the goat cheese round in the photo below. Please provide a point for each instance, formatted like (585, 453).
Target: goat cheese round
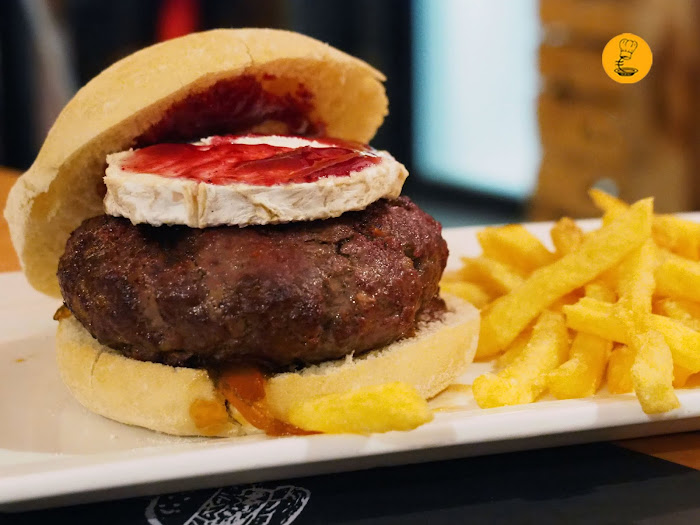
(248, 179)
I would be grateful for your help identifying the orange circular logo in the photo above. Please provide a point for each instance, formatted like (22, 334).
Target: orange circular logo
(627, 58)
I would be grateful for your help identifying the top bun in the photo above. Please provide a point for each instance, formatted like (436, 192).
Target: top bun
(64, 185)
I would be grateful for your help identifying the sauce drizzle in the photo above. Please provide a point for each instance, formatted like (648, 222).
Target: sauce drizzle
(244, 388)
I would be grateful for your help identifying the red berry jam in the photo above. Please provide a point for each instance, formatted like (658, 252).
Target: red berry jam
(222, 161)
(235, 106)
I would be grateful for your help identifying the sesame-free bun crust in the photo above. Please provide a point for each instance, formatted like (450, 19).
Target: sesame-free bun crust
(159, 397)
(64, 185)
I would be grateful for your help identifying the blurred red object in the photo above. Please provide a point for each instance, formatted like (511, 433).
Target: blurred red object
(177, 18)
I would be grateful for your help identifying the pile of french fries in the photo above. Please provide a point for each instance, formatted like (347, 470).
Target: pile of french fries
(619, 305)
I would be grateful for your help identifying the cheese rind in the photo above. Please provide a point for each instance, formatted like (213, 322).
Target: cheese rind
(158, 200)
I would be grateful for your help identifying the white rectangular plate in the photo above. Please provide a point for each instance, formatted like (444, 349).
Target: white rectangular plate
(54, 452)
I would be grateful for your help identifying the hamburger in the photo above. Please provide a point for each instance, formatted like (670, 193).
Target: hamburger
(225, 242)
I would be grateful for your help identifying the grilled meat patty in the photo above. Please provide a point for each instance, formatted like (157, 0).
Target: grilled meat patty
(276, 295)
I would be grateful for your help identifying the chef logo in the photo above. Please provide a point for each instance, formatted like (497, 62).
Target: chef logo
(627, 58)
(245, 505)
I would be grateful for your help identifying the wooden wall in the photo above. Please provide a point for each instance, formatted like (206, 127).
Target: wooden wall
(640, 136)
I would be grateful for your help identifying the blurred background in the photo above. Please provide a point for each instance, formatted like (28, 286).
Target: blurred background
(500, 108)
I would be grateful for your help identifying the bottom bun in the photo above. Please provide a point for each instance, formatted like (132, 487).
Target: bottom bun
(161, 397)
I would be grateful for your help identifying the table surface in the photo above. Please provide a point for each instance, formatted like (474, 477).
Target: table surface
(681, 449)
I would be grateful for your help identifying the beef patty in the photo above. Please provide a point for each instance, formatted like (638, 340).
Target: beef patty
(277, 295)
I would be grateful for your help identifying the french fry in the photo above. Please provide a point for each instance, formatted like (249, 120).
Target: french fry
(583, 373)
(471, 292)
(652, 370)
(693, 381)
(636, 284)
(606, 202)
(680, 376)
(515, 348)
(495, 277)
(598, 318)
(678, 277)
(570, 298)
(600, 291)
(652, 373)
(566, 236)
(611, 206)
(687, 312)
(611, 278)
(621, 268)
(513, 244)
(619, 375)
(635, 287)
(524, 380)
(382, 408)
(509, 315)
(452, 276)
(678, 235)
